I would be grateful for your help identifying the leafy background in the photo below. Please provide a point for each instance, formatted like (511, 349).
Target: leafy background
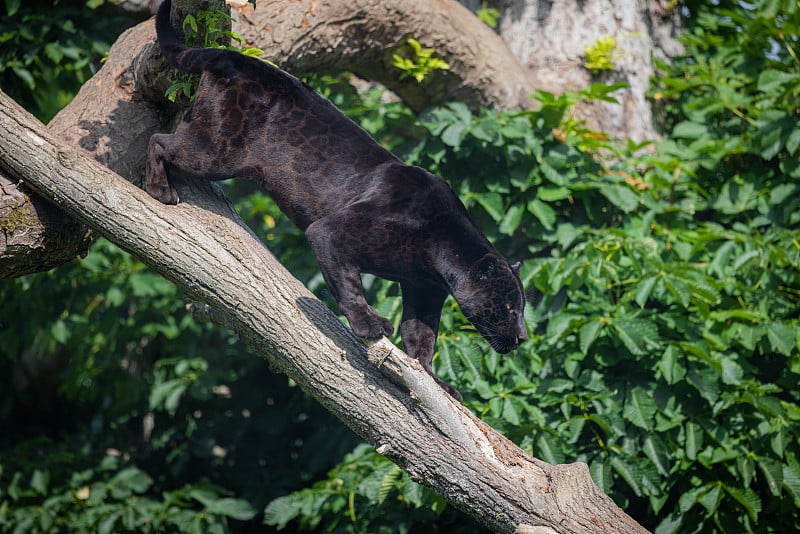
(664, 340)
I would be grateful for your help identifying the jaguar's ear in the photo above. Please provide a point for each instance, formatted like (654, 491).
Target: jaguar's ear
(484, 269)
(515, 267)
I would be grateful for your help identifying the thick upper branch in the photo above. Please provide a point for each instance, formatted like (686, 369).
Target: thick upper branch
(362, 35)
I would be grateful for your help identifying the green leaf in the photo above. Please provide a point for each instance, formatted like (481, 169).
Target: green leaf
(749, 336)
(689, 498)
(694, 439)
(778, 442)
(388, 482)
(690, 130)
(639, 408)
(552, 194)
(40, 481)
(12, 6)
(166, 395)
(54, 52)
(748, 499)
(775, 126)
(60, 331)
(636, 334)
(644, 289)
(629, 472)
(744, 259)
(543, 212)
(706, 381)
(283, 510)
(670, 525)
(454, 134)
(732, 372)
(721, 258)
(782, 337)
(107, 526)
(791, 481)
(710, 499)
(512, 219)
(601, 474)
(773, 474)
(572, 429)
(560, 325)
(772, 80)
(621, 196)
(492, 203)
(510, 412)
(133, 479)
(793, 141)
(549, 449)
(655, 450)
(679, 289)
(234, 508)
(671, 365)
(461, 111)
(552, 174)
(588, 333)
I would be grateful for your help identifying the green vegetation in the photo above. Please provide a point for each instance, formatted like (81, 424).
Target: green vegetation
(47, 52)
(664, 337)
(417, 62)
(206, 29)
(602, 54)
(487, 15)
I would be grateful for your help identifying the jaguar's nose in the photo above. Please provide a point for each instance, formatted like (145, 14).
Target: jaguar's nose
(518, 339)
(523, 336)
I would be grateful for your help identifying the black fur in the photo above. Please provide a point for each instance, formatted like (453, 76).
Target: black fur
(361, 208)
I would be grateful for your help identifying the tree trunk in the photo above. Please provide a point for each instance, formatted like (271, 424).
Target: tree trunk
(550, 38)
(204, 247)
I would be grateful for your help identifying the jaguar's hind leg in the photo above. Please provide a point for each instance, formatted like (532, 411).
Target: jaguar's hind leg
(157, 181)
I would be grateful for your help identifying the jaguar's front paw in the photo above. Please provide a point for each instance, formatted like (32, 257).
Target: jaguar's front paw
(371, 326)
(448, 388)
(164, 194)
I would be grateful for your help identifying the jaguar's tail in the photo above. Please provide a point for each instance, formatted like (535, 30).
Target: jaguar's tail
(176, 53)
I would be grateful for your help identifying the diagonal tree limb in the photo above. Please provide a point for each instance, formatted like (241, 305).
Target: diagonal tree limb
(203, 246)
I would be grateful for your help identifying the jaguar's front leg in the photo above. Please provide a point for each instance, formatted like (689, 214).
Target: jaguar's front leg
(340, 269)
(422, 310)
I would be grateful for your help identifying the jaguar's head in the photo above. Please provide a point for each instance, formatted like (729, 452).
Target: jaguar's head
(493, 300)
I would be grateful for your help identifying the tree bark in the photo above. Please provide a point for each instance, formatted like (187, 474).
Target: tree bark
(362, 35)
(112, 117)
(204, 247)
(550, 38)
(35, 235)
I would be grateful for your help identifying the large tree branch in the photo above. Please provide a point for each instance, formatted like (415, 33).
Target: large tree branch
(34, 234)
(112, 118)
(204, 247)
(362, 35)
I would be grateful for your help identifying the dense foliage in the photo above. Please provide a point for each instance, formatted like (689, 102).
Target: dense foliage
(664, 347)
(48, 50)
